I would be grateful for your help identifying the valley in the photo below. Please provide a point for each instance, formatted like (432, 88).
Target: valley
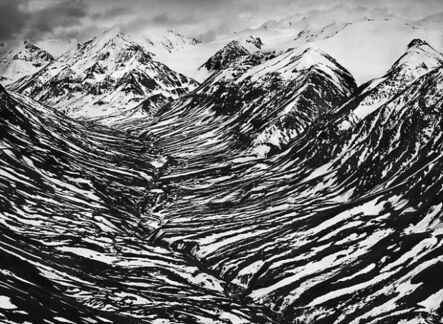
(277, 189)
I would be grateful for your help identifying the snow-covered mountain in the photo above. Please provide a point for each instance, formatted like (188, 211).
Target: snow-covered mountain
(22, 61)
(419, 59)
(106, 75)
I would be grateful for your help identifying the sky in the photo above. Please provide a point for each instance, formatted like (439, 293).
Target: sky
(79, 20)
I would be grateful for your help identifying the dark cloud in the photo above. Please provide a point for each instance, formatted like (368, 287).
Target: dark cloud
(12, 19)
(23, 18)
(63, 14)
(111, 13)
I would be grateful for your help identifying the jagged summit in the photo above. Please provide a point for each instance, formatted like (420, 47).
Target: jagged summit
(417, 43)
(225, 56)
(111, 38)
(419, 58)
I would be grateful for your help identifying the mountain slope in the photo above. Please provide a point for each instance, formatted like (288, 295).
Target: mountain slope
(103, 76)
(22, 61)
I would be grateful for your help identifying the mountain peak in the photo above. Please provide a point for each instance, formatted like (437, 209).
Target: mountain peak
(110, 34)
(419, 58)
(311, 56)
(110, 40)
(234, 44)
(416, 42)
(225, 56)
(31, 47)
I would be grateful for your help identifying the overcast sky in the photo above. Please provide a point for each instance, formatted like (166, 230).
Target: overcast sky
(38, 20)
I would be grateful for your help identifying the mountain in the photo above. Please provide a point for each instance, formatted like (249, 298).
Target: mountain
(419, 59)
(22, 61)
(106, 75)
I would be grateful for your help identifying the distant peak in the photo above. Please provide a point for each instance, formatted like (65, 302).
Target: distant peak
(111, 31)
(110, 34)
(312, 49)
(419, 58)
(234, 44)
(29, 45)
(225, 56)
(417, 43)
